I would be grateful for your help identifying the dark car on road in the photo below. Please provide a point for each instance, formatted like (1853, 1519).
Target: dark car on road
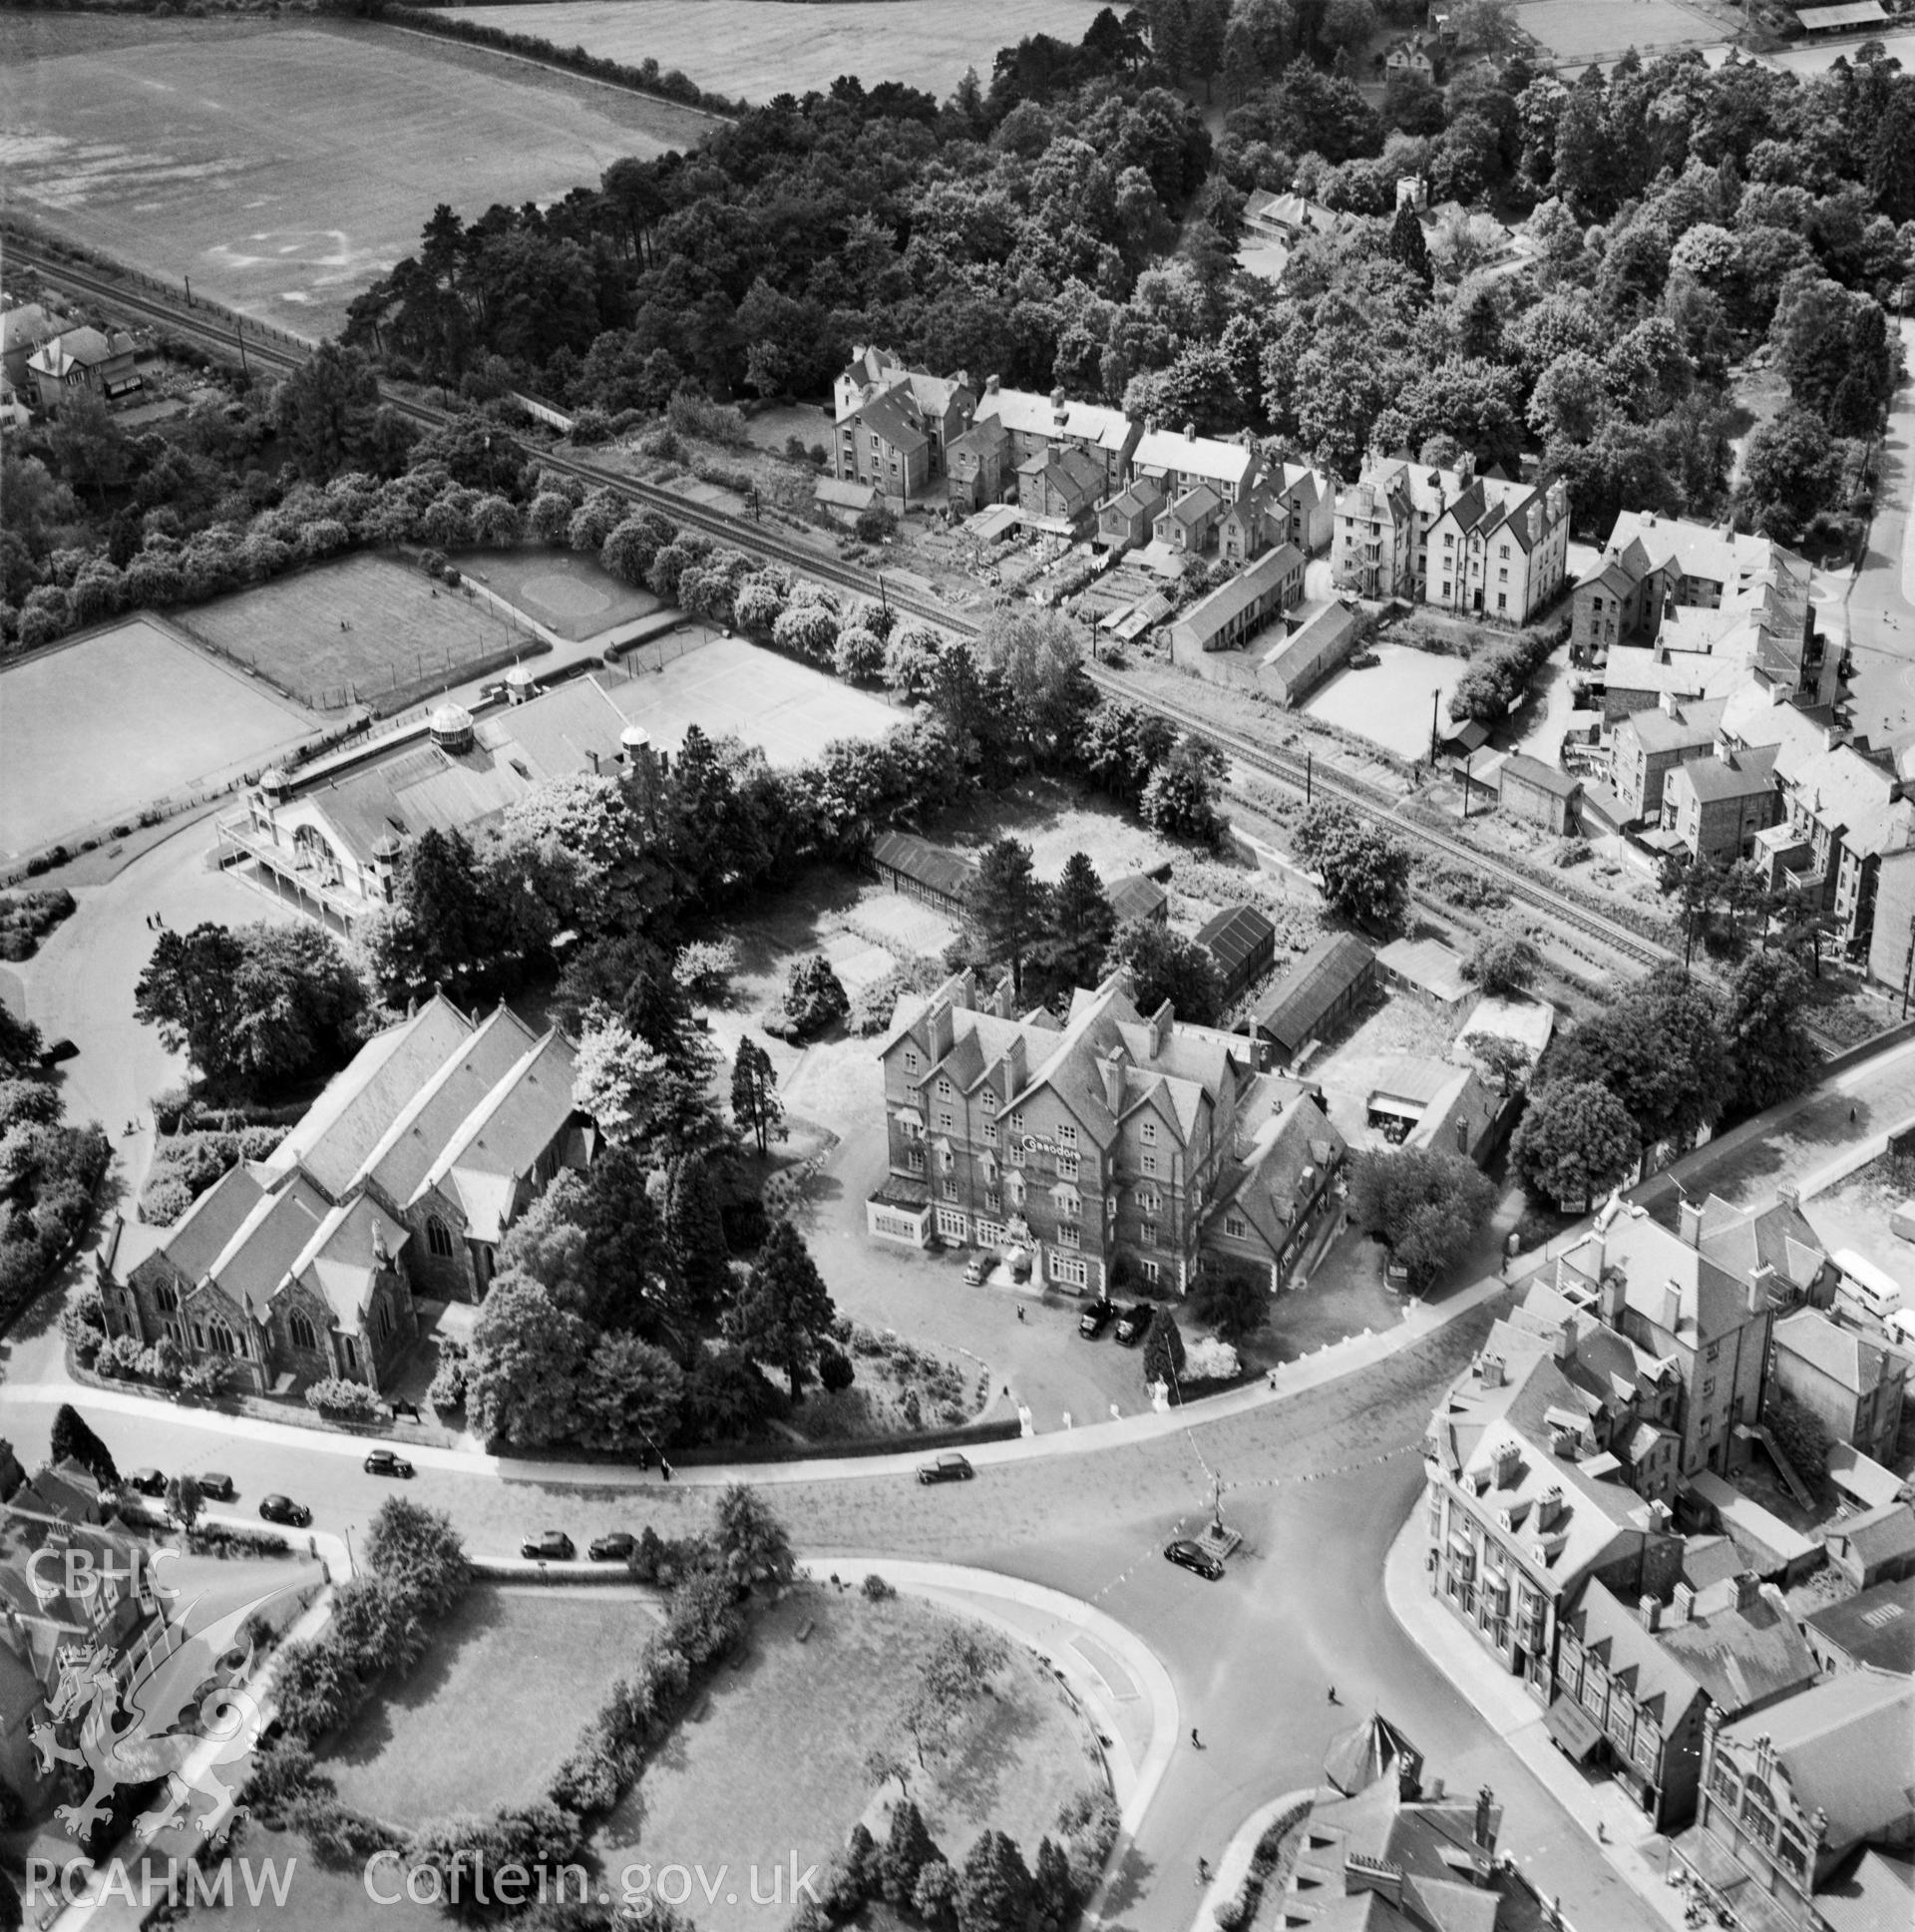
(948, 1467)
(282, 1509)
(216, 1484)
(149, 1482)
(614, 1548)
(61, 1050)
(1096, 1318)
(384, 1462)
(548, 1546)
(1195, 1558)
(1132, 1324)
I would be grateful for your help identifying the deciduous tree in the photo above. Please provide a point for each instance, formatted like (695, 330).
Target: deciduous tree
(1575, 1142)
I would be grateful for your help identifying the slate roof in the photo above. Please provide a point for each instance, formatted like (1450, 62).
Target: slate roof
(1766, 1543)
(1265, 1183)
(1876, 1627)
(1843, 1356)
(1651, 1673)
(1743, 1657)
(1849, 1747)
(1876, 1536)
(1545, 778)
(1324, 635)
(1194, 507)
(1203, 456)
(1690, 726)
(1251, 585)
(1779, 1237)
(887, 418)
(1742, 774)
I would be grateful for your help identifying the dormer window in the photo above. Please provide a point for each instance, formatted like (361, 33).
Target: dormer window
(943, 1089)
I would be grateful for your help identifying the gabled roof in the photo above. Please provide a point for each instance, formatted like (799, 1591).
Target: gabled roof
(1135, 895)
(1209, 615)
(930, 864)
(1875, 1627)
(1236, 935)
(890, 420)
(1858, 1366)
(1743, 1655)
(1195, 505)
(206, 1228)
(1743, 1240)
(1270, 1183)
(1660, 1680)
(1876, 1536)
(1314, 984)
(273, 1237)
(346, 1251)
(498, 1140)
(419, 1134)
(1742, 774)
(343, 1125)
(1849, 1747)
(1545, 778)
(1684, 727)
(1201, 456)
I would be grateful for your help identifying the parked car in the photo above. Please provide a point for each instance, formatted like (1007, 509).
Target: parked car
(61, 1050)
(1132, 1324)
(149, 1482)
(1195, 1558)
(217, 1485)
(1096, 1318)
(948, 1467)
(1364, 660)
(282, 1509)
(974, 1272)
(548, 1546)
(614, 1548)
(386, 1462)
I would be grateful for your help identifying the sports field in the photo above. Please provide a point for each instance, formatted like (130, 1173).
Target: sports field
(570, 595)
(1579, 31)
(405, 634)
(733, 689)
(281, 167)
(754, 50)
(98, 729)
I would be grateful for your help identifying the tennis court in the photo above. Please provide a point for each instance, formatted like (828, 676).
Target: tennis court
(733, 689)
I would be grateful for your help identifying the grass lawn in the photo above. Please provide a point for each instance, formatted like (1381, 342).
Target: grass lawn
(1583, 30)
(1057, 818)
(403, 639)
(94, 730)
(745, 48)
(731, 688)
(771, 1765)
(568, 594)
(282, 165)
(500, 1699)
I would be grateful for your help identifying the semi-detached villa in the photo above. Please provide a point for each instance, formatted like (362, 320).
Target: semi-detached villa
(1111, 1147)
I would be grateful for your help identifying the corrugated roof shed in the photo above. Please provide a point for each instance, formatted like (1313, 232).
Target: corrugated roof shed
(1292, 1007)
(1235, 936)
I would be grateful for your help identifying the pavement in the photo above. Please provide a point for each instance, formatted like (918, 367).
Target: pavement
(1599, 1807)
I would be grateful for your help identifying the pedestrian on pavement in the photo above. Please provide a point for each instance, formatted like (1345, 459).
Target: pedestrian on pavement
(1196, 1742)
(1333, 1694)
(1203, 1871)
(1602, 1832)
(1020, 1307)
(1273, 1381)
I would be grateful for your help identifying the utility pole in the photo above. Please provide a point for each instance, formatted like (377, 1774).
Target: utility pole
(1435, 699)
(1309, 773)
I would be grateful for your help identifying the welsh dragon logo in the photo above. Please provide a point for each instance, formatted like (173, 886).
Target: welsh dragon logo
(182, 1718)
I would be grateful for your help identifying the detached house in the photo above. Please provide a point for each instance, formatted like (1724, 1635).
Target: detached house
(83, 360)
(401, 1181)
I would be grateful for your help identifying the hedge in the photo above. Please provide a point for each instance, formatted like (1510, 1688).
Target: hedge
(1005, 1431)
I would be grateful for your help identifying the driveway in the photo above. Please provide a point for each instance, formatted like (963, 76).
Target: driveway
(81, 982)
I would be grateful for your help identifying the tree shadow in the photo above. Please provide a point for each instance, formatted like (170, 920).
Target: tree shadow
(1130, 1876)
(992, 1745)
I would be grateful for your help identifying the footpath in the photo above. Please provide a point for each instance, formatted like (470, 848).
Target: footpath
(1600, 1807)
(1329, 1364)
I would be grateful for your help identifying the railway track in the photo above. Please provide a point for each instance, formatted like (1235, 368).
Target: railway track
(226, 336)
(1371, 804)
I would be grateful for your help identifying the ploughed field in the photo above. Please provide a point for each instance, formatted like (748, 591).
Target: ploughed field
(282, 166)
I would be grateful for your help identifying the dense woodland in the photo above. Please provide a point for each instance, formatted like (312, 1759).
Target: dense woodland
(1073, 222)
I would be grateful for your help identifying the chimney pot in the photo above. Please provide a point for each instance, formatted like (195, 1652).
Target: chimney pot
(1652, 1614)
(1689, 1224)
(1680, 1604)
(1189, 432)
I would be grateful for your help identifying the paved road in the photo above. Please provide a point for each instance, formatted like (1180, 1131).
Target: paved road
(1319, 1484)
(1881, 609)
